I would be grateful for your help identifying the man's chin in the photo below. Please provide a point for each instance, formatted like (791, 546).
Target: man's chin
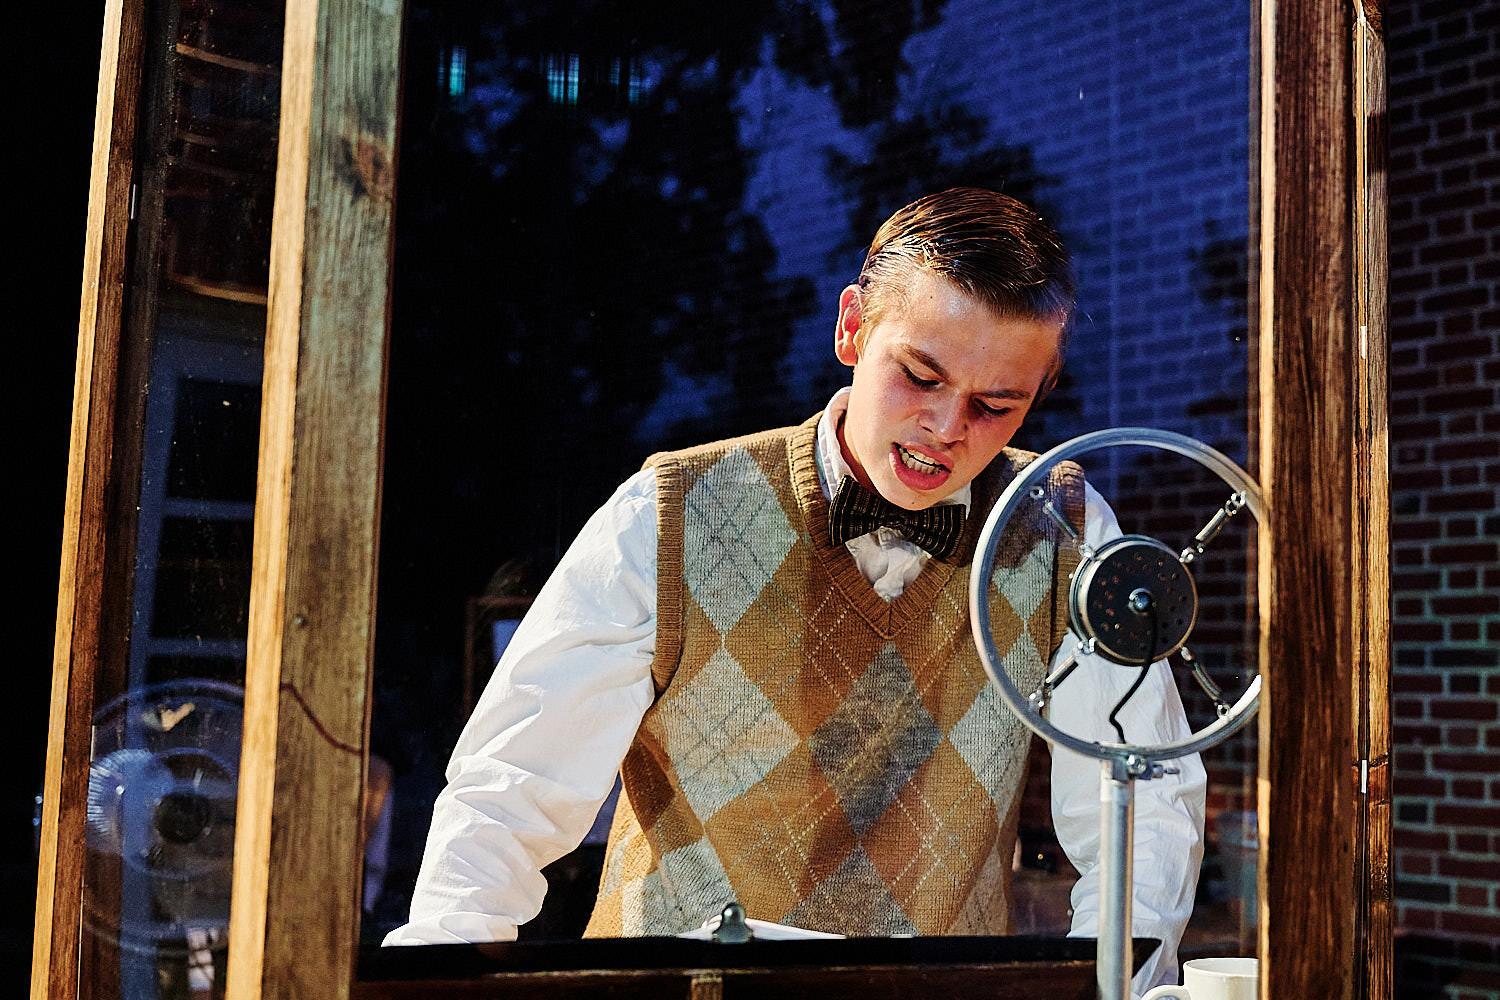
(905, 496)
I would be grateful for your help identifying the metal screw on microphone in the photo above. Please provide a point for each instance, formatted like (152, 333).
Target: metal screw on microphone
(1140, 600)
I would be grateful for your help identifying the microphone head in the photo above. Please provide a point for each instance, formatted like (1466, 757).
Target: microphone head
(1135, 599)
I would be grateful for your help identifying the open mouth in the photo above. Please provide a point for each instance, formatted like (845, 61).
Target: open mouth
(920, 463)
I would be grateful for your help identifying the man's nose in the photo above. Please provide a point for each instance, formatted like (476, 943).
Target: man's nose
(944, 417)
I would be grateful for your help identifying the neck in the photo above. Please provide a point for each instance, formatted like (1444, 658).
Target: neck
(849, 459)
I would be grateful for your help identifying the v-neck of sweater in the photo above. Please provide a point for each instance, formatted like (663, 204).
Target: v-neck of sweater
(886, 617)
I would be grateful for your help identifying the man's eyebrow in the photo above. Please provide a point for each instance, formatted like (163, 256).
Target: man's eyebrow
(928, 361)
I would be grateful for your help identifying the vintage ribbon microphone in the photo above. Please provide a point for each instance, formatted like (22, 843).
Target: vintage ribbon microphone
(1131, 601)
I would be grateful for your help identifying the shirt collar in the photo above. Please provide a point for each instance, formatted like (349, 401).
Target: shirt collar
(831, 465)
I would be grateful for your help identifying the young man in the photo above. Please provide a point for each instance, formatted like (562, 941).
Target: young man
(768, 639)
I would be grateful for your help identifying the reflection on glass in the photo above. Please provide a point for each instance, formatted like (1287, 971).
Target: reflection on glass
(623, 230)
(166, 748)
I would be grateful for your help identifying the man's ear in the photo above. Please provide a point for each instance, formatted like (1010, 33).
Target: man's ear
(846, 329)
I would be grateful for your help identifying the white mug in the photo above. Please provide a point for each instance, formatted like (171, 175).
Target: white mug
(1214, 979)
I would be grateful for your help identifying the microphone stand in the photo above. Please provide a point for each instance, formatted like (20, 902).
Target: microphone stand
(1116, 827)
(1129, 561)
(1114, 958)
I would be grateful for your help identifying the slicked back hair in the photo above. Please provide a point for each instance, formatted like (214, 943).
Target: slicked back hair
(989, 245)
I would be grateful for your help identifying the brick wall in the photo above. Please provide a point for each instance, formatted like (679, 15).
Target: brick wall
(1445, 324)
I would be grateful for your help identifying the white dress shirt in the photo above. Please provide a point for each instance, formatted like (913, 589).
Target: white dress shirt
(541, 751)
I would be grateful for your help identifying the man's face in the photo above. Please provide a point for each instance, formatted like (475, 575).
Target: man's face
(941, 384)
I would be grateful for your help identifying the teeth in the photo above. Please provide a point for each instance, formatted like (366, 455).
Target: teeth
(917, 463)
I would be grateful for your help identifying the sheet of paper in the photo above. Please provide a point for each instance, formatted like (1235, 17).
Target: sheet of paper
(764, 930)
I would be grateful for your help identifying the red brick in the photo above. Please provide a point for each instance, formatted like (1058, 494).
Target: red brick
(1457, 201)
(1409, 530)
(1416, 918)
(1409, 709)
(1418, 840)
(1412, 863)
(1461, 736)
(1475, 868)
(1424, 580)
(1453, 27)
(1424, 787)
(1473, 604)
(1466, 790)
(1456, 324)
(1410, 761)
(1466, 815)
(1476, 710)
(1411, 734)
(1466, 349)
(1410, 683)
(1470, 923)
(1415, 430)
(1412, 232)
(1463, 631)
(1462, 683)
(1451, 128)
(1462, 501)
(1473, 448)
(1457, 298)
(1413, 479)
(1454, 176)
(1414, 281)
(1463, 579)
(1468, 762)
(1485, 220)
(1464, 374)
(1416, 329)
(1472, 895)
(1451, 250)
(1421, 631)
(1471, 843)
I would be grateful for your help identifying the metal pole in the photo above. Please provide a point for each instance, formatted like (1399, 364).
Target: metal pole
(1116, 806)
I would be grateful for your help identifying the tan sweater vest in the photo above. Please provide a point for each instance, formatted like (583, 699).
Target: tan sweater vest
(827, 758)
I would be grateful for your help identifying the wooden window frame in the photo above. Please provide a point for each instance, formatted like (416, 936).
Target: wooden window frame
(1324, 785)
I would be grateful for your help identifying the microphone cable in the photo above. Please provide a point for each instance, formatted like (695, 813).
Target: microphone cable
(1140, 678)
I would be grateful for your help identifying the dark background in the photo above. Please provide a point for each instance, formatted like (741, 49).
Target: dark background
(51, 72)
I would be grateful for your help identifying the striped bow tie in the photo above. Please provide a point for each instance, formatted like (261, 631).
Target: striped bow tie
(856, 511)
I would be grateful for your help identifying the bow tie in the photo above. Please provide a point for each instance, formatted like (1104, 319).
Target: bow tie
(856, 511)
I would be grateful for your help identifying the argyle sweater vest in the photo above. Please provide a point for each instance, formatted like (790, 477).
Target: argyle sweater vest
(829, 759)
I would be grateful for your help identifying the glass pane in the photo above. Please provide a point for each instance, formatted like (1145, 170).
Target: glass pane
(622, 229)
(168, 693)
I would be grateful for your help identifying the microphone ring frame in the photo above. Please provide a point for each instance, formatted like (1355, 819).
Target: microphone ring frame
(1010, 500)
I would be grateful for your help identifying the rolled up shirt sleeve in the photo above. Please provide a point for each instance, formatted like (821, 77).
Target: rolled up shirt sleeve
(541, 751)
(1169, 811)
